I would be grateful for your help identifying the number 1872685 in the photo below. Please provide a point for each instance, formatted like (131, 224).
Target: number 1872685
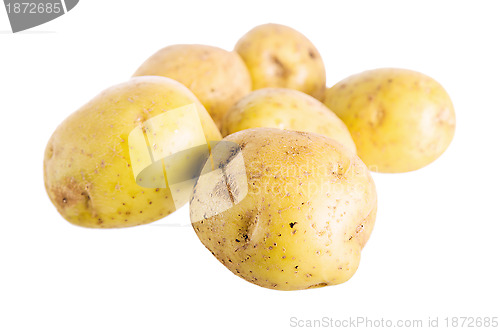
(479, 322)
(34, 8)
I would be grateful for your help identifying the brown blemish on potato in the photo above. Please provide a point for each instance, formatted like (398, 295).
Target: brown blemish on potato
(281, 70)
(359, 228)
(88, 201)
(70, 194)
(50, 152)
(322, 284)
(230, 188)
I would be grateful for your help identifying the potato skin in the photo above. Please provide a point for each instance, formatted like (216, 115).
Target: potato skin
(400, 120)
(87, 168)
(217, 77)
(309, 211)
(285, 109)
(279, 56)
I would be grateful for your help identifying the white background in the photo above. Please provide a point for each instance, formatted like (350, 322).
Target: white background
(434, 250)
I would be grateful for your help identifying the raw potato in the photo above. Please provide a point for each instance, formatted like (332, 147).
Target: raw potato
(309, 210)
(285, 109)
(87, 168)
(217, 77)
(400, 120)
(279, 56)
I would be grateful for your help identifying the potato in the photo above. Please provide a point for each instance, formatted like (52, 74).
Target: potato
(88, 170)
(307, 210)
(400, 120)
(285, 109)
(217, 77)
(279, 56)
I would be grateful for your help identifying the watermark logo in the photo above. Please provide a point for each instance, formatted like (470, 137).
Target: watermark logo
(170, 151)
(25, 14)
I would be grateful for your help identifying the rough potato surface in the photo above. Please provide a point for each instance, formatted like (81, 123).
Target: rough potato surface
(87, 167)
(217, 77)
(309, 211)
(400, 120)
(279, 56)
(286, 109)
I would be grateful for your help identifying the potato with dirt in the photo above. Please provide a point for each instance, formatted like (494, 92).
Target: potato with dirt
(285, 109)
(217, 77)
(279, 56)
(400, 120)
(92, 173)
(298, 209)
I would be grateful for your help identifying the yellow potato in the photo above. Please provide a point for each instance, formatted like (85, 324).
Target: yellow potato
(285, 109)
(301, 214)
(279, 56)
(88, 171)
(400, 120)
(217, 77)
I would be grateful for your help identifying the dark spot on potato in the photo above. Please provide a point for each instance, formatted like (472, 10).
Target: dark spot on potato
(322, 284)
(292, 224)
(281, 69)
(50, 152)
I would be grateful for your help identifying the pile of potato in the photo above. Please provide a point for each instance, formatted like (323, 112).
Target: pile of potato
(285, 200)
